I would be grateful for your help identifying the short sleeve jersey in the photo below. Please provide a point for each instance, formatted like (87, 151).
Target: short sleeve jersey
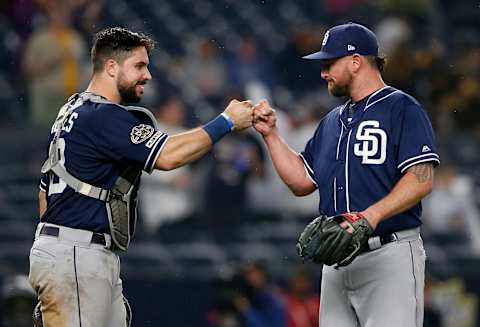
(98, 142)
(356, 161)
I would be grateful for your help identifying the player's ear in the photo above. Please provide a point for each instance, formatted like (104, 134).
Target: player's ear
(356, 62)
(111, 67)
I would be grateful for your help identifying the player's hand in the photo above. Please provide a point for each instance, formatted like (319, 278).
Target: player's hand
(334, 240)
(372, 217)
(241, 113)
(264, 118)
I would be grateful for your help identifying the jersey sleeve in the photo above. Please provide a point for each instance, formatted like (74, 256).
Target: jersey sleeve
(416, 140)
(125, 138)
(43, 185)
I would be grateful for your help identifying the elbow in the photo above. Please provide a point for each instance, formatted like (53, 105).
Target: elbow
(170, 166)
(303, 188)
(428, 188)
(424, 190)
(297, 191)
(167, 163)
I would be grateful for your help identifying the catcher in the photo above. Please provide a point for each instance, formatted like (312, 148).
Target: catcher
(99, 146)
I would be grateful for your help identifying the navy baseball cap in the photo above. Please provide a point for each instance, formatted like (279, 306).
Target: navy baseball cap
(347, 39)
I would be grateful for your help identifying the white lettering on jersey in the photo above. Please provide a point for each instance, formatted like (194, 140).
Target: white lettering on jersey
(68, 127)
(152, 140)
(141, 133)
(373, 146)
(59, 186)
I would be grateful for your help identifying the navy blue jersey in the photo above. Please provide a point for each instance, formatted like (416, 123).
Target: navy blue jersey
(356, 162)
(99, 141)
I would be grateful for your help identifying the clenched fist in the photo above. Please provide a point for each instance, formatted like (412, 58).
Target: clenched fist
(264, 118)
(241, 113)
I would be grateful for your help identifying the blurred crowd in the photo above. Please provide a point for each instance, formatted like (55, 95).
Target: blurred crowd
(250, 298)
(209, 52)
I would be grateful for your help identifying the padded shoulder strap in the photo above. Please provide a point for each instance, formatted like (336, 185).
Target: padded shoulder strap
(140, 111)
(144, 113)
(53, 162)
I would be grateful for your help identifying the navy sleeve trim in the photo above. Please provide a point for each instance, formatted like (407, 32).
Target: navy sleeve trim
(308, 169)
(42, 186)
(433, 157)
(156, 149)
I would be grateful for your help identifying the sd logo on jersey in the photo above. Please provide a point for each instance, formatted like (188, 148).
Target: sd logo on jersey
(141, 133)
(373, 146)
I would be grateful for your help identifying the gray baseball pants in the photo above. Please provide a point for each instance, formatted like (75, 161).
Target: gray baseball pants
(77, 282)
(379, 288)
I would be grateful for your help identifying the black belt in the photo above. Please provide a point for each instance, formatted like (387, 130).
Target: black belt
(97, 238)
(384, 239)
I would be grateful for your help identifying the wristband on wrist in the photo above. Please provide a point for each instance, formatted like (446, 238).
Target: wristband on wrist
(217, 128)
(229, 121)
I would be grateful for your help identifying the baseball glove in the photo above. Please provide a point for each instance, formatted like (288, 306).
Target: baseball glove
(334, 240)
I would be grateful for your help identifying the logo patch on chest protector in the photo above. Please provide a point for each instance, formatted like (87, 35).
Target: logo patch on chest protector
(141, 133)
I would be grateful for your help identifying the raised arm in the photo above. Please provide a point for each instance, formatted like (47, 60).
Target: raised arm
(286, 161)
(189, 146)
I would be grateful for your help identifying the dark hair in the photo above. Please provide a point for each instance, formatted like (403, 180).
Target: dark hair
(378, 62)
(116, 43)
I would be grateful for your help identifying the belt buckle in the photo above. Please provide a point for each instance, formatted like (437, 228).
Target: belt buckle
(395, 237)
(374, 243)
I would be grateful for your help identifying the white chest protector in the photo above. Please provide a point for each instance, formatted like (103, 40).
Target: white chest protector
(120, 200)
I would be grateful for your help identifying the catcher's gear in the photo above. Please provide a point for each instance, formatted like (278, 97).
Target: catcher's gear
(121, 199)
(334, 240)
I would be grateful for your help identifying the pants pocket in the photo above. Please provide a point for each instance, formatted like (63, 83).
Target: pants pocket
(42, 264)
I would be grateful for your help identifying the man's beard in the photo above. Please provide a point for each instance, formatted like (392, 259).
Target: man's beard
(339, 90)
(128, 93)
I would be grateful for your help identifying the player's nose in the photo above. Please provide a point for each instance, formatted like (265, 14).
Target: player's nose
(324, 73)
(148, 76)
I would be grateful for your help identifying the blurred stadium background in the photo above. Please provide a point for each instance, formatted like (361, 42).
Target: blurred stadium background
(214, 235)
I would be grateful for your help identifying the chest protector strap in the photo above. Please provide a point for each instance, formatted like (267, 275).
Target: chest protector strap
(121, 199)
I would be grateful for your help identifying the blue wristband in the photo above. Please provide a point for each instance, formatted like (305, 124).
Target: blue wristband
(229, 121)
(217, 128)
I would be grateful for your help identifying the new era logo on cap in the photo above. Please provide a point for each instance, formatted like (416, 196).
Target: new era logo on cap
(325, 38)
(350, 47)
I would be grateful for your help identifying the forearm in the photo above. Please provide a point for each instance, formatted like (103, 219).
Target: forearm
(410, 189)
(288, 165)
(183, 148)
